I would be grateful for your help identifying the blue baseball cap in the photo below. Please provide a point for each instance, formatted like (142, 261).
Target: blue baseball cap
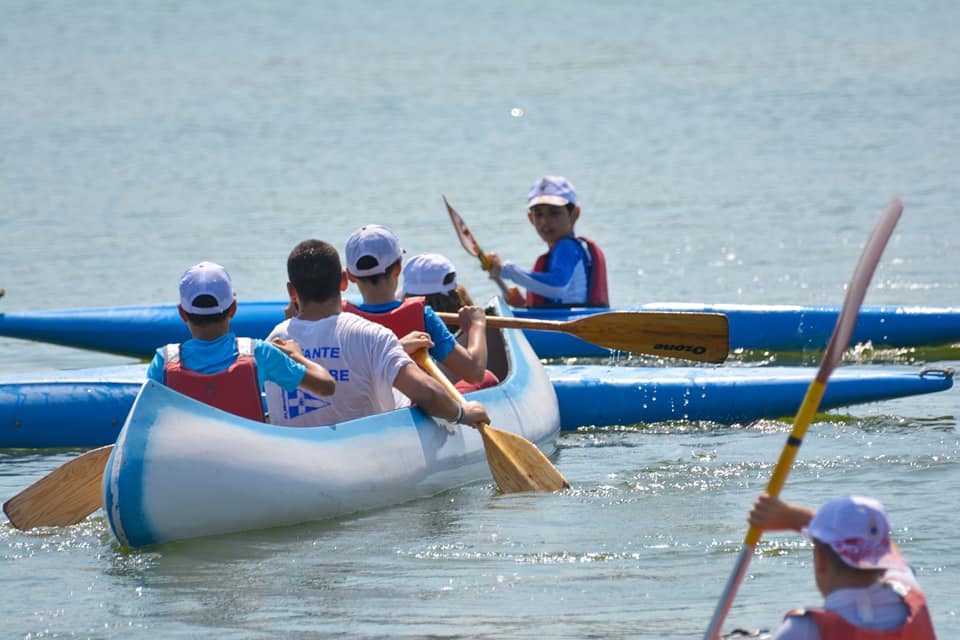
(554, 190)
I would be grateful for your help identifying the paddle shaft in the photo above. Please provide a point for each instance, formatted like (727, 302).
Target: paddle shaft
(856, 291)
(703, 337)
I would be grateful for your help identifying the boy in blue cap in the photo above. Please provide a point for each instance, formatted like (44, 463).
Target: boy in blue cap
(573, 271)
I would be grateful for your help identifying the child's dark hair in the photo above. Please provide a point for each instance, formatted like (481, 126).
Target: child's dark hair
(207, 301)
(449, 302)
(376, 277)
(313, 268)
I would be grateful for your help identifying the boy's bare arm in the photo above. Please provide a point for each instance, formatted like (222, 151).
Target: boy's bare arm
(772, 514)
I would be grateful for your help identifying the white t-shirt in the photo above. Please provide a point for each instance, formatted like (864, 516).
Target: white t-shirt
(363, 357)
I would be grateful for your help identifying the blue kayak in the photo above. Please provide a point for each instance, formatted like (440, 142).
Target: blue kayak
(138, 330)
(88, 407)
(775, 327)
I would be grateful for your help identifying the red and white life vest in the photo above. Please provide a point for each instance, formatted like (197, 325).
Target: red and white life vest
(596, 266)
(402, 320)
(918, 626)
(235, 390)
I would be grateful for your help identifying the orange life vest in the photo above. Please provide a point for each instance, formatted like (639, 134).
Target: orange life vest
(235, 390)
(402, 320)
(919, 626)
(596, 266)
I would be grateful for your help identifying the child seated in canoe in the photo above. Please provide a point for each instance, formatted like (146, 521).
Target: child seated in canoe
(374, 257)
(365, 358)
(573, 272)
(217, 367)
(434, 277)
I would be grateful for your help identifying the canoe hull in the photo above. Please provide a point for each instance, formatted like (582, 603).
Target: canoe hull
(138, 330)
(182, 469)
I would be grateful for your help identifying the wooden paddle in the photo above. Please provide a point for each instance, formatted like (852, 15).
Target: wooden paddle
(704, 337)
(839, 340)
(470, 244)
(515, 462)
(65, 496)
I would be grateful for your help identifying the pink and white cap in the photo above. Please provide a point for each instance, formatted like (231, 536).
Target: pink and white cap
(206, 279)
(857, 529)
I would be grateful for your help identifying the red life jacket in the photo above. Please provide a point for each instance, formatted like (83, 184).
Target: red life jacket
(402, 320)
(596, 266)
(409, 317)
(489, 380)
(235, 390)
(919, 626)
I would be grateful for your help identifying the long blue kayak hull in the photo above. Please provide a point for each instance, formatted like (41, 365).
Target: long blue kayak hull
(604, 396)
(138, 330)
(775, 327)
(88, 407)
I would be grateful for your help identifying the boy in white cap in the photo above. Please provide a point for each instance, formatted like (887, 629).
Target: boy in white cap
(573, 272)
(217, 367)
(869, 591)
(434, 277)
(365, 358)
(374, 258)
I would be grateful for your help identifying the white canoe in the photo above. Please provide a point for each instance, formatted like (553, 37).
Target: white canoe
(182, 469)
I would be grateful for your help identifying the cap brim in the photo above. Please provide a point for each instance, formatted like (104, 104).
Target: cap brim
(556, 201)
(418, 291)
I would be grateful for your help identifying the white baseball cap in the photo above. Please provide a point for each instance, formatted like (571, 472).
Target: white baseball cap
(428, 273)
(857, 529)
(206, 279)
(555, 190)
(372, 241)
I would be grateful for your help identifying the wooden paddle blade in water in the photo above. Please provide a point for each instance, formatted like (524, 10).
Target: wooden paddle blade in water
(515, 463)
(703, 337)
(65, 496)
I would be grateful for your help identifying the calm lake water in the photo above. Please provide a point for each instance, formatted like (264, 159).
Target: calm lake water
(723, 152)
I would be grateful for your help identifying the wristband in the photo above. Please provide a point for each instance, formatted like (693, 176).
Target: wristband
(459, 418)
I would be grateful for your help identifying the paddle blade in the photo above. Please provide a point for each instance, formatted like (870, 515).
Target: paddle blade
(65, 496)
(703, 337)
(466, 238)
(517, 464)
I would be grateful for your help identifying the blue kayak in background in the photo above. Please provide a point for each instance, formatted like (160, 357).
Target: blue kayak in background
(755, 327)
(88, 407)
(138, 330)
